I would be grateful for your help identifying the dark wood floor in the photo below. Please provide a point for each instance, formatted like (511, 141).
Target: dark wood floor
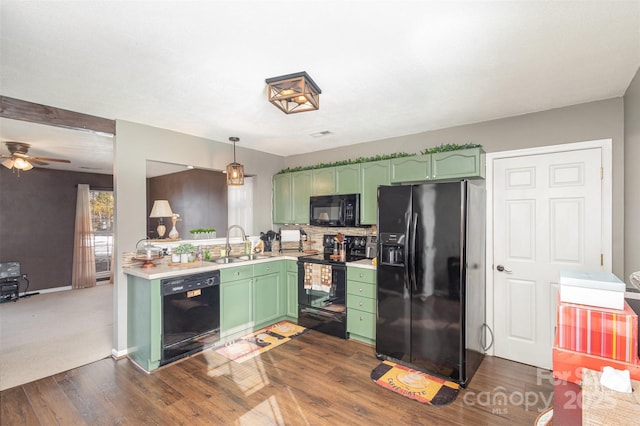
(312, 380)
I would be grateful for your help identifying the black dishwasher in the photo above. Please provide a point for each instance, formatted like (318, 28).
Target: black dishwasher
(190, 314)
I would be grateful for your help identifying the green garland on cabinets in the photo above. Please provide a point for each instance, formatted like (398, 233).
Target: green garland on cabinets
(440, 148)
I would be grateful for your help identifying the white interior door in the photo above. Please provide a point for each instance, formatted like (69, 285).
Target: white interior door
(547, 216)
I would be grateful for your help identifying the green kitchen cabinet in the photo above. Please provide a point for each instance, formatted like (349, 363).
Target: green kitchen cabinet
(324, 181)
(236, 299)
(361, 304)
(348, 179)
(292, 289)
(268, 292)
(282, 197)
(416, 168)
(144, 324)
(372, 175)
(301, 189)
(291, 192)
(464, 163)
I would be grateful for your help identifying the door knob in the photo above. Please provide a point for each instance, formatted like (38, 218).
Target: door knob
(501, 268)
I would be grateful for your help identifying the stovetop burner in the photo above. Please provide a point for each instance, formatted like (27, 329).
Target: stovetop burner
(326, 258)
(355, 247)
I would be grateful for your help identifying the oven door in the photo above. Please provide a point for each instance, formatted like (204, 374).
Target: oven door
(333, 323)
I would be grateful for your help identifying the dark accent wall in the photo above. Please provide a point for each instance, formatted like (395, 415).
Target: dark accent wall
(37, 221)
(199, 196)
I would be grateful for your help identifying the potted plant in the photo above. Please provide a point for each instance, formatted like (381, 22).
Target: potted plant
(184, 250)
(202, 233)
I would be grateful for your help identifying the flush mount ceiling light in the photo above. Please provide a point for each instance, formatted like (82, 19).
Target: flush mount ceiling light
(294, 92)
(235, 171)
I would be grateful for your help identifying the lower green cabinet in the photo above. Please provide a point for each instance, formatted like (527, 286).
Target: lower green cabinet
(236, 306)
(292, 289)
(267, 297)
(361, 304)
(144, 324)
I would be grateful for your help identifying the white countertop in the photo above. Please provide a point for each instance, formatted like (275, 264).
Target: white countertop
(163, 270)
(364, 263)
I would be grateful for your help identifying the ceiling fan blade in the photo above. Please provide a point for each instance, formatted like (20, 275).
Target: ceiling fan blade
(38, 162)
(57, 160)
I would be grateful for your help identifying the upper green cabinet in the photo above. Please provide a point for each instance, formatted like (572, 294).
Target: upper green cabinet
(301, 189)
(464, 163)
(291, 192)
(348, 179)
(282, 196)
(372, 175)
(411, 169)
(324, 181)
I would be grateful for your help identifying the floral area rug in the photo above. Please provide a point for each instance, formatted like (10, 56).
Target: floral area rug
(261, 341)
(415, 384)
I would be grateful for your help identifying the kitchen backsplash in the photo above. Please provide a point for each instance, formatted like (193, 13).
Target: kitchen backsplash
(315, 235)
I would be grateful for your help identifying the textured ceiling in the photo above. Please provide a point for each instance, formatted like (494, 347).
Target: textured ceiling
(386, 68)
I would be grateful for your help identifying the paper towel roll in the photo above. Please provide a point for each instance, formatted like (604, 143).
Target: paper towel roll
(289, 235)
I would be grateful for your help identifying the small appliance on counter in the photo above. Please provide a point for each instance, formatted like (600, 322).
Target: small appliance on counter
(371, 249)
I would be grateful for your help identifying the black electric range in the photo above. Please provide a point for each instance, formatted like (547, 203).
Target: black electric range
(322, 305)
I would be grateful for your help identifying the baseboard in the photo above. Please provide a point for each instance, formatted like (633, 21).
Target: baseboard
(54, 289)
(118, 354)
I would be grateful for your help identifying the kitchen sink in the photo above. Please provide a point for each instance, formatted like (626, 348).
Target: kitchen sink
(253, 256)
(228, 260)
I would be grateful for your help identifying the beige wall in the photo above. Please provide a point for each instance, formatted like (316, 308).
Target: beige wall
(137, 143)
(579, 123)
(632, 177)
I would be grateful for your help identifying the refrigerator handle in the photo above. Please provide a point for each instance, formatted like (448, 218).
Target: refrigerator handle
(407, 259)
(412, 251)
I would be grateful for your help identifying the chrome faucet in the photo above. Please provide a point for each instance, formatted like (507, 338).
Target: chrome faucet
(227, 246)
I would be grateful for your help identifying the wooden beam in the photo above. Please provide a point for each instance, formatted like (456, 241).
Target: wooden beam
(42, 114)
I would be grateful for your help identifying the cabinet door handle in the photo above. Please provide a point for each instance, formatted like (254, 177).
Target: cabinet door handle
(360, 303)
(361, 275)
(360, 290)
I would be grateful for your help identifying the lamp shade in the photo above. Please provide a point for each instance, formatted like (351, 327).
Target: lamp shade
(235, 170)
(161, 208)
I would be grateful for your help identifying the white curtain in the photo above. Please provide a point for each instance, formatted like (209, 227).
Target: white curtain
(84, 260)
(240, 206)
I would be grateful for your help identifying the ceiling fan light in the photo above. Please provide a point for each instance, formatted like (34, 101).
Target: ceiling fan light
(22, 164)
(8, 163)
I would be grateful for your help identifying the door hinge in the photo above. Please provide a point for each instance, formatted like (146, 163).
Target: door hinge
(601, 259)
(601, 173)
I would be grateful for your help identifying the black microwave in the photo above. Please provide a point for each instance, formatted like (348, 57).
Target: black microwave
(334, 210)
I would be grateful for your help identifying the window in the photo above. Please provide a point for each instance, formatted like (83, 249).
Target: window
(101, 202)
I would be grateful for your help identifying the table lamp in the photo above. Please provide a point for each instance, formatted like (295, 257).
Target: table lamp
(161, 209)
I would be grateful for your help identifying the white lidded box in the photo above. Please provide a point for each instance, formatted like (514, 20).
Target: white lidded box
(600, 289)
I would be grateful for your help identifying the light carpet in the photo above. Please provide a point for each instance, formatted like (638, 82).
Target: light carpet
(49, 333)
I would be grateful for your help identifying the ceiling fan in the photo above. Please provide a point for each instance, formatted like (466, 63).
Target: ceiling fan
(20, 160)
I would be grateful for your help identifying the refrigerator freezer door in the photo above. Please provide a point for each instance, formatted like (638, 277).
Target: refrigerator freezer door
(393, 314)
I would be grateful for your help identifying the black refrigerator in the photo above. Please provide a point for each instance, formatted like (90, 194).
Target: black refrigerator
(431, 277)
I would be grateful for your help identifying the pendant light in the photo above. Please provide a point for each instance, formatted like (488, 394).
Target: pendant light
(235, 171)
